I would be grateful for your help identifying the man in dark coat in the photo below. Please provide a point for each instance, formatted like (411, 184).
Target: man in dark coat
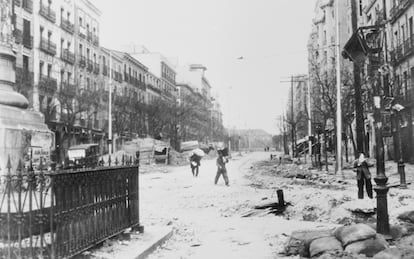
(363, 176)
(195, 164)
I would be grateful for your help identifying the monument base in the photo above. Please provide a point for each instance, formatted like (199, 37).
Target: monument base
(23, 136)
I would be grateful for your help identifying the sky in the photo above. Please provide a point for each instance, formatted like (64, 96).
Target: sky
(248, 46)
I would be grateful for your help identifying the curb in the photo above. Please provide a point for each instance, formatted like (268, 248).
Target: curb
(146, 252)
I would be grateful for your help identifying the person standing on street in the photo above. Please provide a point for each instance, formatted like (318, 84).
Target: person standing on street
(221, 168)
(363, 176)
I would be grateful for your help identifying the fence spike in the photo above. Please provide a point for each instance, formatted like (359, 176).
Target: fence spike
(19, 166)
(41, 164)
(8, 166)
(116, 161)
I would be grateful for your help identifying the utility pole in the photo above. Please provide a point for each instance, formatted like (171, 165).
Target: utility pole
(292, 118)
(309, 120)
(110, 105)
(359, 108)
(338, 96)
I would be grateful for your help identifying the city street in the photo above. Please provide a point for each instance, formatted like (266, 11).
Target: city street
(208, 219)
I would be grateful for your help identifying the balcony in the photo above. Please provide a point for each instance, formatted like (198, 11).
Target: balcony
(403, 51)
(47, 46)
(18, 36)
(127, 78)
(82, 31)
(96, 68)
(48, 84)
(28, 41)
(89, 36)
(47, 13)
(82, 61)
(17, 2)
(67, 56)
(68, 89)
(153, 88)
(95, 40)
(89, 65)
(28, 5)
(24, 78)
(67, 26)
(105, 70)
(399, 9)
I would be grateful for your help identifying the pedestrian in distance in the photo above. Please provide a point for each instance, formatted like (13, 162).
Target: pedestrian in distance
(363, 176)
(195, 164)
(221, 168)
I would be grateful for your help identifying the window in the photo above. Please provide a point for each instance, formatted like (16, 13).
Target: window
(41, 64)
(25, 63)
(88, 83)
(80, 22)
(49, 70)
(80, 49)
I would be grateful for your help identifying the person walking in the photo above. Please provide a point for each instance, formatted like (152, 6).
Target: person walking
(221, 168)
(363, 176)
(195, 164)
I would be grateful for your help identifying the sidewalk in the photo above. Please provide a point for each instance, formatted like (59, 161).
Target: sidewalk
(133, 246)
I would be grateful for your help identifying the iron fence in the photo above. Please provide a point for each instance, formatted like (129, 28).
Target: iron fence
(60, 214)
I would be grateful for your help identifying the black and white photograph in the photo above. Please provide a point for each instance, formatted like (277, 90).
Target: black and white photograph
(181, 129)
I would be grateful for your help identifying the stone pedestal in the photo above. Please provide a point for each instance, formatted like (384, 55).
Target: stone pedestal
(23, 133)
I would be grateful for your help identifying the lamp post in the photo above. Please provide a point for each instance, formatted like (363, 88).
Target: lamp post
(401, 167)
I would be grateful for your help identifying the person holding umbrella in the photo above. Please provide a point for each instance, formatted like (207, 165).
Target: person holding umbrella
(195, 159)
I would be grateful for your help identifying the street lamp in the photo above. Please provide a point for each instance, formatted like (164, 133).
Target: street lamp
(367, 41)
(401, 167)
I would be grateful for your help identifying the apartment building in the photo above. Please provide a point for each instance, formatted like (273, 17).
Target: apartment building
(57, 60)
(160, 67)
(401, 45)
(153, 87)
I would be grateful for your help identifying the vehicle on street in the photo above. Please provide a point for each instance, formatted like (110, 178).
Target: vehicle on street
(82, 156)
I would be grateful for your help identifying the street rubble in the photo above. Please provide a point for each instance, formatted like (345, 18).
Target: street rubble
(320, 217)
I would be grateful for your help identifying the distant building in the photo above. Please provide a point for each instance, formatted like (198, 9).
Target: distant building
(160, 67)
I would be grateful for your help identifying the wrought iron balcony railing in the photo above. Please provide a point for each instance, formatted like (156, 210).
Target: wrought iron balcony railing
(47, 13)
(95, 40)
(18, 36)
(96, 68)
(105, 70)
(24, 78)
(68, 56)
(28, 41)
(47, 46)
(48, 84)
(398, 9)
(403, 50)
(67, 26)
(89, 65)
(68, 89)
(28, 5)
(89, 36)
(82, 31)
(82, 61)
